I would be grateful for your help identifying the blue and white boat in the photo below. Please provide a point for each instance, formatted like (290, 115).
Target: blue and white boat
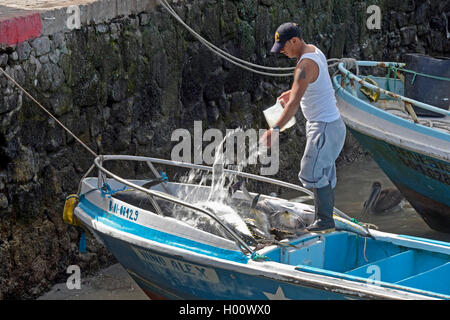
(173, 260)
(412, 149)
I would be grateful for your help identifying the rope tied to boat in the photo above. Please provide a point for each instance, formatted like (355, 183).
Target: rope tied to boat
(255, 256)
(415, 73)
(107, 191)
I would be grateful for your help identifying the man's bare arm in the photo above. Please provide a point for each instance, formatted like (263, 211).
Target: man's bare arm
(304, 74)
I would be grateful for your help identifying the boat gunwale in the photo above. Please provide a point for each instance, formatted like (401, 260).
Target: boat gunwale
(396, 96)
(380, 113)
(375, 132)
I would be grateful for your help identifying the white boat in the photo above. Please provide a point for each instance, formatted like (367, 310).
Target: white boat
(169, 258)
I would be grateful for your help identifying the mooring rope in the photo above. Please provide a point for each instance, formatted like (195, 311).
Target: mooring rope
(234, 60)
(48, 112)
(348, 62)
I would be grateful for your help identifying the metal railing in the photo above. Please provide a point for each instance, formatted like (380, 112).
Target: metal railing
(98, 162)
(352, 76)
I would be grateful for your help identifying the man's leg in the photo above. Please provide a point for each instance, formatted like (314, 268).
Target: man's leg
(318, 170)
(324, 203)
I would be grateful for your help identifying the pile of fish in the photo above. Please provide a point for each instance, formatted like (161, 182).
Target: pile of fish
(254, 220)
(257, 220)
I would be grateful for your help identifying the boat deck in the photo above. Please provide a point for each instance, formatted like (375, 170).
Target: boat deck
(397, 108)
(347, 256)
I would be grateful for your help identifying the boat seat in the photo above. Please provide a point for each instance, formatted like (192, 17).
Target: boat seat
(397, 267)
(436, 280)
(388, 267)
(311, 254)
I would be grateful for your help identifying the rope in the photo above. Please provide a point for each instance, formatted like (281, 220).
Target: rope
(258, 257)
(175, 15)
(234, 60)
(53, 117)
(107, 191)
(348, 62)
(421, 74)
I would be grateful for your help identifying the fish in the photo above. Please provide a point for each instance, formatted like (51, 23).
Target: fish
(274, 214)
(290, 215)
(256, 219)
(230, 218)
(346, 225)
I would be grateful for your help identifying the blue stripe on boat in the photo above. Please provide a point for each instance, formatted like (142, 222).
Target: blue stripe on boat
(155, 235)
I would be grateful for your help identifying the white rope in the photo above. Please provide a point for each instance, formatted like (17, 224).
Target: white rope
(348, 62)
(234, 60)
(48, 112)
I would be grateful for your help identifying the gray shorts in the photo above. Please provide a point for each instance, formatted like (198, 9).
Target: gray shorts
(324, 142)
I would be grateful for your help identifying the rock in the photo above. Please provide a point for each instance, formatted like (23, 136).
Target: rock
(44, 59)
(101, 28)
(41, 46)
(402, 19)
(394, 40)
(240, 101)
(3, 201)
(9, 103)
(212, 111)
(421, 13)
(58, 40)
(267, 3)
(408, 35)
(24, 50)
(14, 56)
(144, 19)
(3, 59)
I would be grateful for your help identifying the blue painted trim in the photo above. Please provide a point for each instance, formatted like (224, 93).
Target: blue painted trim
(155, 235)
(360, 104)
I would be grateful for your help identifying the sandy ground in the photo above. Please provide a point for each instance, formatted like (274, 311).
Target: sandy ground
(112, 283)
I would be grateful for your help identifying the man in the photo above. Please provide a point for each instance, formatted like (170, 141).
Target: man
(325, 130)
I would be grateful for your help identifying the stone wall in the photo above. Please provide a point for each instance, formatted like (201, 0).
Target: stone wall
(125, 84)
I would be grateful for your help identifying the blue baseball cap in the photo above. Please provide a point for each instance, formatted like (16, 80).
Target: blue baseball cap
(285, 32)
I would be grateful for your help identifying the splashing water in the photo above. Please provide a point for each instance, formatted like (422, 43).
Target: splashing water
(215, 197)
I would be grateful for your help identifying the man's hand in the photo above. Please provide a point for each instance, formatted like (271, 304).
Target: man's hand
(284, 97)
(268, 138)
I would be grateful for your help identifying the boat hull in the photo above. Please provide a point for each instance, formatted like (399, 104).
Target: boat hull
(416, 158)
(165, 276)
(424, 181)
(170, 259)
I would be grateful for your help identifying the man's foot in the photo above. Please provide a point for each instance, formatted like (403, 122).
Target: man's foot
(320, 226)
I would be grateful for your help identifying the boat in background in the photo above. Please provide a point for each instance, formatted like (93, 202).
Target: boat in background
(171, 259)
(404, 136)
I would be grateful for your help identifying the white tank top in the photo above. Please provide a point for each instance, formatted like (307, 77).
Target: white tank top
(318, 102)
